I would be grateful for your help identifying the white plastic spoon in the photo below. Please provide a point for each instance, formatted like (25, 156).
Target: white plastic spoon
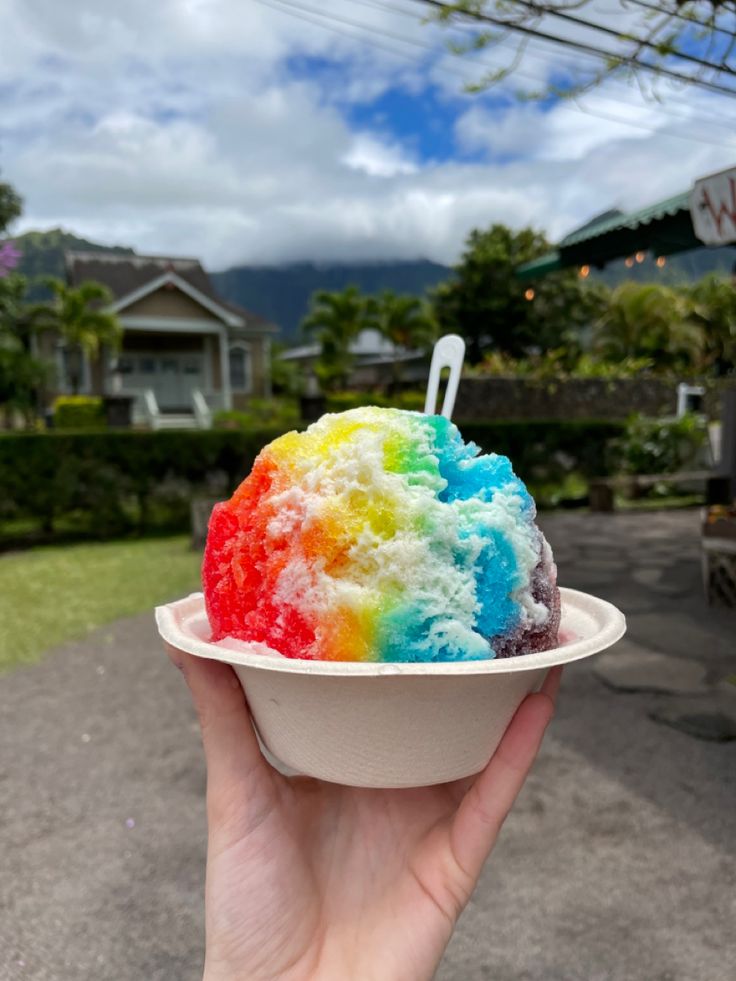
(449, 352)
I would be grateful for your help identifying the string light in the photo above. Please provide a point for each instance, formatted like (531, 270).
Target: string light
(640, 256)
(529, 294)
(660, 260)
(629, 261)
(584, 272)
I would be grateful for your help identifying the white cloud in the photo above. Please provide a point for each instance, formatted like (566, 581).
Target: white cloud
(377, 158)
(188, 126)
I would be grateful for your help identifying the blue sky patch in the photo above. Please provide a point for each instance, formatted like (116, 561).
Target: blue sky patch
(420, 120)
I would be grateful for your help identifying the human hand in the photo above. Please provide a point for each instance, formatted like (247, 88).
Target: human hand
(312, 880)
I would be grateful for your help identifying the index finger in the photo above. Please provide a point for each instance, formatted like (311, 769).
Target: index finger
(488, 801)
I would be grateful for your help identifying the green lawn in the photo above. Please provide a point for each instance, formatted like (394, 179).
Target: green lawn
(54, 594)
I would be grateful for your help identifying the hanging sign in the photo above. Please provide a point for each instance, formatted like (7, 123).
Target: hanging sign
(713, 208)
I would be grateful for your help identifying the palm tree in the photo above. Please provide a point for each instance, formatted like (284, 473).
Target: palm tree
(10, 205)
(22, 376)
(337, 319)
(405, 321)
(645, 320)
(76, 315)
(715, 310)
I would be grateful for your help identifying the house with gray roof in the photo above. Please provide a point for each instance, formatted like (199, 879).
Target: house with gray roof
(374, 360)
(185, 351)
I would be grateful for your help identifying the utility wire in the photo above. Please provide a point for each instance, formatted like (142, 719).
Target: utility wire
(580, 46)
(430, 48)
(611, 32)
(325, 21)
(529, 50)
(532, 52)
(309, 15)
(543, 10)
(676, 13)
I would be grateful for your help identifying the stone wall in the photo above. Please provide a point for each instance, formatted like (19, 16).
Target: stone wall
(486, 399)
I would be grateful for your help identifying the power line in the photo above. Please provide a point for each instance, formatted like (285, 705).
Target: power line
(308, 14)
(391, 8)
(610, 32)
(667, 111)
(684, 17)
(580, 46)
(302, 14)
(329, 17)
(596, 52)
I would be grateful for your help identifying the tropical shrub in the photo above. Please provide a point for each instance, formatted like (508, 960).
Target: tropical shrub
(652, 322)
(714, 304)
(22, 376)
(653, 446)
(78, 412)
(277, 412)
(558, 364)
(342, 401)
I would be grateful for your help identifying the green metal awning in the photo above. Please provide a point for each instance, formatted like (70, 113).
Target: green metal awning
(662, 229)
(547, 263)
(633, 221)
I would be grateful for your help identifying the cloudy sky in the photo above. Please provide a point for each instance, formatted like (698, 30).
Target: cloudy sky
(266, 131)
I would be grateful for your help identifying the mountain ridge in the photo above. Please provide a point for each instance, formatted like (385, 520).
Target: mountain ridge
(282, 293)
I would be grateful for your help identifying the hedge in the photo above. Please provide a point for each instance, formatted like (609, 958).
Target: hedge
(113, 482)
(408, 399)
(546, 450)
(78, 412)
(109, 483)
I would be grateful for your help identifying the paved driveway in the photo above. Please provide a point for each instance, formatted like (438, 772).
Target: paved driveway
(619, 861)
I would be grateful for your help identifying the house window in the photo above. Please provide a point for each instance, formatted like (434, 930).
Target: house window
(240, 368)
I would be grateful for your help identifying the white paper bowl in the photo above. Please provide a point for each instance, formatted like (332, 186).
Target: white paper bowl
(388, 725)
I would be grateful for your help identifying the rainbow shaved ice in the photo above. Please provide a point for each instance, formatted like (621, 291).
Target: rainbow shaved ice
(379, 535)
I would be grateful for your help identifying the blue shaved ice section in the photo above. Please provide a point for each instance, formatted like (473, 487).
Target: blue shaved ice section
(467, 473)
(495, 577)
(407, 633)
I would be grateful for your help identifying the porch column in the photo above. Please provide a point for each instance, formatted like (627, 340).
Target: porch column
(86, 373)
(227, 399)
(266, 355)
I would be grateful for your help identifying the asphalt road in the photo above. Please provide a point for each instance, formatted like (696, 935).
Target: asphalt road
(619, 861)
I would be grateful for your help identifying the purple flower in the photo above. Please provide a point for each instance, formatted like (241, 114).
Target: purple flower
(9, 257)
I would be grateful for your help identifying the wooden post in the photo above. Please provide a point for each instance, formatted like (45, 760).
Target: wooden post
(601, 496)
(727, 465)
